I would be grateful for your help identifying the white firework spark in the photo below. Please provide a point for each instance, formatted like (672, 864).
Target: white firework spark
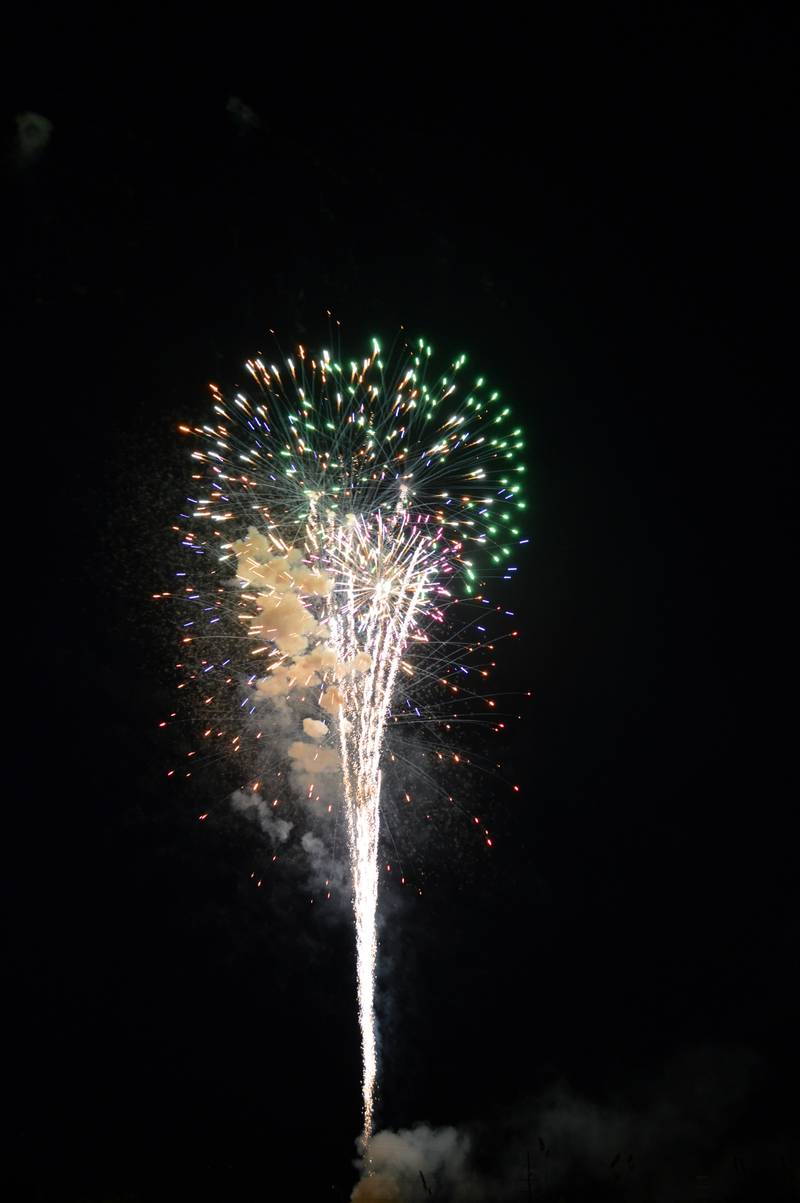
(363, 493)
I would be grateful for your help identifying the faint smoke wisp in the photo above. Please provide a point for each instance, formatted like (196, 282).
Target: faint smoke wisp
(254, 807)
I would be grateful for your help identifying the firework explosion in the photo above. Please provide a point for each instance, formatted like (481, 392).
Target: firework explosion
(368, 503)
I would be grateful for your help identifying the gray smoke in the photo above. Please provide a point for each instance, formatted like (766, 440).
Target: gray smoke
(254, 807)
(33, 134)
(401, 1162)
(328, 874)
(675, 1136)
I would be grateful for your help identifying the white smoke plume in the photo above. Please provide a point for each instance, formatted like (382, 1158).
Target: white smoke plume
(404, 1165)
(310, 761)
(674, 1136)
(302, 666)
(327, 874)
(258, 564)
(315, 729)
(281, 585)
(254, 807)
(298, 683)
(284, 621)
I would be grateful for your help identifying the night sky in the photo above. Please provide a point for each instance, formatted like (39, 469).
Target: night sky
(598, 217)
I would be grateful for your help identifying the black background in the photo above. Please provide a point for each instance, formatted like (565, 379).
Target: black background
(597, 215)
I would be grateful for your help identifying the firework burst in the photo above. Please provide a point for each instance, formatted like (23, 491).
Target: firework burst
(343, 509)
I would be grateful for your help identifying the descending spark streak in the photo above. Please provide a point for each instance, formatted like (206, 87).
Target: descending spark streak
(382, 633)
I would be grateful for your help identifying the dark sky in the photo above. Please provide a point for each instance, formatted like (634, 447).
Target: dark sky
(598, 217)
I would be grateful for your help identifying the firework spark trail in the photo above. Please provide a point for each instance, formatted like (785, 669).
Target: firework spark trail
(362, 722)
(362, 493)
